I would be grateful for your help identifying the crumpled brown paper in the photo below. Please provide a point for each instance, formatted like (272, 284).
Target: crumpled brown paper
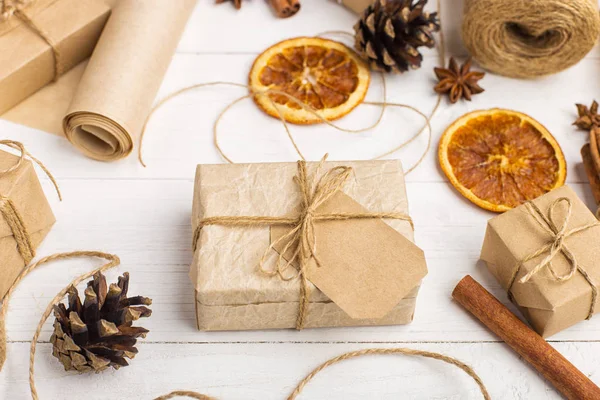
(550, 306)
(231, 293)
(23, 188)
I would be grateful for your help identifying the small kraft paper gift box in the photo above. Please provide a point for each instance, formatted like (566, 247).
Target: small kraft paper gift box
(546, 255)
(25, 216)
(41, 39)
(299, 245)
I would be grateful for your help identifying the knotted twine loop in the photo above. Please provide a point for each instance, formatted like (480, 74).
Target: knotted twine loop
(559, 233)
(9, 211)
(354, 354)
(529, 39)
(16, 8)
(315, 190)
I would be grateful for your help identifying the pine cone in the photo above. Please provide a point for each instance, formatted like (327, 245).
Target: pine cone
(390, 32)
(98, 334)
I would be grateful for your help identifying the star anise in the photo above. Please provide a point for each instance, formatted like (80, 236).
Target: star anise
(588, 117)
(236, 3)
(457, 81)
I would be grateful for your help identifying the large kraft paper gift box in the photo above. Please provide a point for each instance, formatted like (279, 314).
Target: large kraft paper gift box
(370, 269)
(546, 255)
(27, 60)
(24, 213)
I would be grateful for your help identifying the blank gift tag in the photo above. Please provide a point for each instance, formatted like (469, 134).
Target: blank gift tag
(366, 266)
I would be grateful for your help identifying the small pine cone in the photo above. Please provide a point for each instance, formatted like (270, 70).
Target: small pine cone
(390, 32)
(98, 334)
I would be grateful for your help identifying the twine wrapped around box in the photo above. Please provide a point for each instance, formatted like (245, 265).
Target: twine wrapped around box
(301, 240)
(544, 254)
(558, 230)
(17, 9)
(10, 212)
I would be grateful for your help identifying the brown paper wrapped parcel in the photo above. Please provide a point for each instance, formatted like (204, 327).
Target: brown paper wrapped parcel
(24, 213)
(120, 83)
(27, 60)
(547, 256)
(370, 270)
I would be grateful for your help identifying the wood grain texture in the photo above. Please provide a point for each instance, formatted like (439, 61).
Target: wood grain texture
(143, 215)
(565, 377)
(270, 371)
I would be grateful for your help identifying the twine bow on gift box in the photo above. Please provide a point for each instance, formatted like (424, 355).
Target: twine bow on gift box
(9, 211)
(315, 190)
(558, 230)
(16, 9)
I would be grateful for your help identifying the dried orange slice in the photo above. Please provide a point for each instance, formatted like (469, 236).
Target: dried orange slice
(499, 159)
(321, 73)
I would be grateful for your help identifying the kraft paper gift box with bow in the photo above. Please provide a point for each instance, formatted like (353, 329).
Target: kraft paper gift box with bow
(41, 39)
(287, 245)
(25, 216)
(546, 255)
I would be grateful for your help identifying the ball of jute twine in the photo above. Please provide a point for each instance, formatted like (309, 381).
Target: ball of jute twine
(528, 39)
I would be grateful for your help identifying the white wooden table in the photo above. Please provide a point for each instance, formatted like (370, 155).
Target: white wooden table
(143, 215)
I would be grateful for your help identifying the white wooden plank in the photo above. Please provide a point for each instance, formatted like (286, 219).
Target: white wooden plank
(437, 317)
(270, 371)
(180, 136)
(147, 224)
(143, 215)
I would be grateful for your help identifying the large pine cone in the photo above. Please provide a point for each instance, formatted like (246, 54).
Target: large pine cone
(98, 334)
(390, 32)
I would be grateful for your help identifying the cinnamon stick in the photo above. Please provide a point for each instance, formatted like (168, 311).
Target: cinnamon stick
(567, 379)
(285, 8)
(591, 171)
(594, 149)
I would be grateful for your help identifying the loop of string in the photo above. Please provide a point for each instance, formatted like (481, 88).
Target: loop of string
(254, 93)
(315, 189)
(354, 354)
(9, 210)
(557, 229)
(16, 8)
(113, 261)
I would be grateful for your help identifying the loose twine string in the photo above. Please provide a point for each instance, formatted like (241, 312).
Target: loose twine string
(267, 92)
(16, 223)
(354, 354)
(10, 212)
(113, 261)
(558, 231)
(528, 39)
(16, 8)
